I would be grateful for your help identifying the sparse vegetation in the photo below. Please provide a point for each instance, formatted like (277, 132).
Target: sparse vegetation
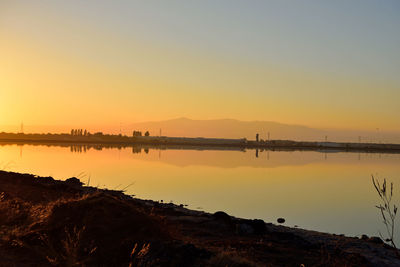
(136, 133)
(138, 256)
(80, 132)
(387, 210)
(44, 222)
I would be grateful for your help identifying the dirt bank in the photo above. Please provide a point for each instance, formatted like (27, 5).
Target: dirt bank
(45, 222)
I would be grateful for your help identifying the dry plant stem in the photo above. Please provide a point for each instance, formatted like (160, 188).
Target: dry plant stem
(388, 211)
(138, 256)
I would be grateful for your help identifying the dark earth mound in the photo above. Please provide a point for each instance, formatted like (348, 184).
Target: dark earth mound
(45, 222)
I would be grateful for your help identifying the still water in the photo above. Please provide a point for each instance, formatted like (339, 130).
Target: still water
(330, 192)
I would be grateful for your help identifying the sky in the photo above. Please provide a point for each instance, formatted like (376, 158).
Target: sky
(323, 64)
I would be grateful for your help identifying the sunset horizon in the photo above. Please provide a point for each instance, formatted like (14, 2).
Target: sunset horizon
(152, 62)
(199, 133)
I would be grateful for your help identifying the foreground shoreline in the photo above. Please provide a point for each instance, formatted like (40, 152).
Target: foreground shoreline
(48, 222)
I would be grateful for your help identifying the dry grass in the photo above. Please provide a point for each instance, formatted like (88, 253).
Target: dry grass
(138, 256)
(388, 211)
(73, 253)
(19, 219)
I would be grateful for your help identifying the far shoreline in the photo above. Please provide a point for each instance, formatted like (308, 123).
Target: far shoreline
(213, 143)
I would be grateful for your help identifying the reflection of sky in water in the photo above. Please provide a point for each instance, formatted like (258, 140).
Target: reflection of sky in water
(329, 192)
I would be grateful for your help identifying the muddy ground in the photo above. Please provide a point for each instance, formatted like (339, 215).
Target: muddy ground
(45, 222)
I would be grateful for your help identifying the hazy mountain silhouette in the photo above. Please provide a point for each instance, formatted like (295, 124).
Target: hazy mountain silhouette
(230, 128)
(224, 128)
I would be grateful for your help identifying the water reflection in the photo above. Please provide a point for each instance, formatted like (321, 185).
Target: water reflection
(225, 157)
(321, 190)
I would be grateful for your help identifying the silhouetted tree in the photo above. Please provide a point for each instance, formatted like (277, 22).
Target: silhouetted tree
(85, 133)
(147, 133)
(137, 133)
(72, 131)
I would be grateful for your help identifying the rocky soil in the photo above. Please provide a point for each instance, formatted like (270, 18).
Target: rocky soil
(45, 222)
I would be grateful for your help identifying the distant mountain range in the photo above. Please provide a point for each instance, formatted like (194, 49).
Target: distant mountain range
(225, 128)
(230, 128)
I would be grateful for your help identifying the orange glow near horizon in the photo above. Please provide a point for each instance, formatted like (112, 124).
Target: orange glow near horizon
(56, 69)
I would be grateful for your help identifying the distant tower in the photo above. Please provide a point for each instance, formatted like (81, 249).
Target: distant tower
(268, 136)
(326, 138)
(377, 136)
(22, 127)
(257, 135)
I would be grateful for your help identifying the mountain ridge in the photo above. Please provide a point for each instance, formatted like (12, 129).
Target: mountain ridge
(224, 128)
(233, 128)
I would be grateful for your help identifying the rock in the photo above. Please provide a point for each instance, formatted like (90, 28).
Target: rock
(280, 220)
(73, 181)
(255, 226)
(245, 228)
(47, 179)
(387, 246)
(222, 216)
(375, 239)
(258, 226)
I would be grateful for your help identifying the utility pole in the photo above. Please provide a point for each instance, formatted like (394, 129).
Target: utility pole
(377, 136)
(22, 127)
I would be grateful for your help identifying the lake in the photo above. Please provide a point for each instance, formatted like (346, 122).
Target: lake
(330, 192)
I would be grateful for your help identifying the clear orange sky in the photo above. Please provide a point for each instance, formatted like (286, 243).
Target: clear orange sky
(318, 64)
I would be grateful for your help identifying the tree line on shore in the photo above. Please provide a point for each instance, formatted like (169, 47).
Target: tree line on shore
(84, 132)
(79, 132)
(139, 133)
